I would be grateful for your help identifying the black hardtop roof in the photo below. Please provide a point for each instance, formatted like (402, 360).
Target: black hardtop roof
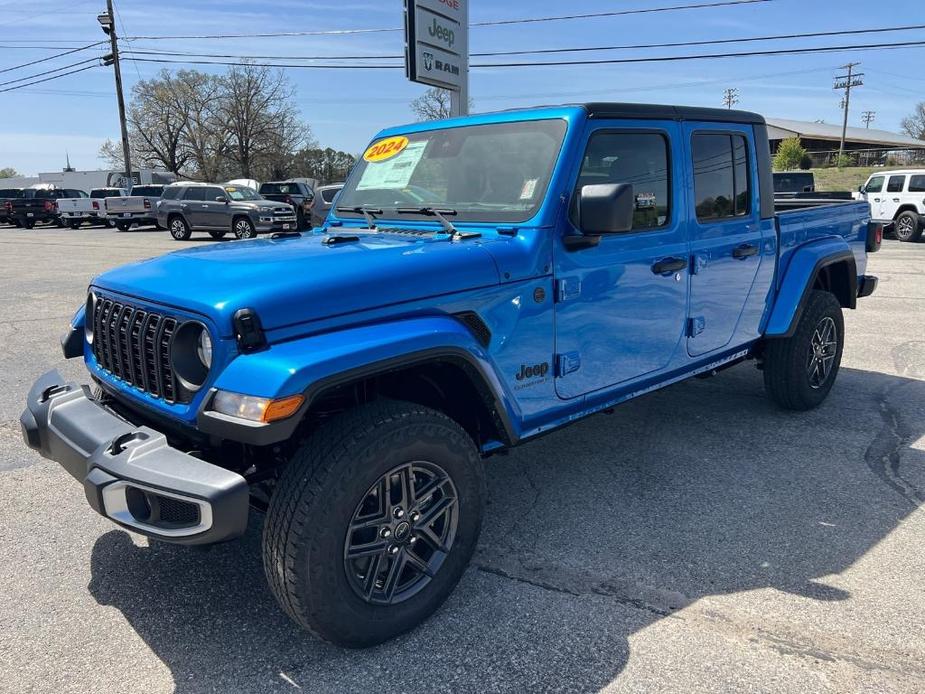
(664, 112)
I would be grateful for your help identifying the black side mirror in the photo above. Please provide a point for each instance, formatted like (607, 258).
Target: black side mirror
(221, 198)
(861, 188)
(606, 208)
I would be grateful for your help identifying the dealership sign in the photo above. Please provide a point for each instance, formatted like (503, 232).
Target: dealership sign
(437, 42)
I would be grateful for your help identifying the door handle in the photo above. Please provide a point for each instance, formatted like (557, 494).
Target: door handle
(876, 199)
(667, 266)
(895, 199)
(746, 250)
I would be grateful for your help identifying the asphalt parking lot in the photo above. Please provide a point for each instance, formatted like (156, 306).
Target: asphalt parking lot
(697, 539)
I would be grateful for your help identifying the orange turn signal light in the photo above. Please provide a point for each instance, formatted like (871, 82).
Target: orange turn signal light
(282, 408)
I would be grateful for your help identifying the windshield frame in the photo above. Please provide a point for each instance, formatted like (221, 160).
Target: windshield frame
(491, 216)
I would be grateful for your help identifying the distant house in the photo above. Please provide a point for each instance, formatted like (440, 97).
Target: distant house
(868, 146)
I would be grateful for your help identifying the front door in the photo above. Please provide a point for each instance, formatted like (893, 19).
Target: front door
(621, 305)
(214, 214)
(725, 234)
(873, 191)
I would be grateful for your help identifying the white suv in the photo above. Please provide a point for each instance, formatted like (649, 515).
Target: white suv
(898, 197)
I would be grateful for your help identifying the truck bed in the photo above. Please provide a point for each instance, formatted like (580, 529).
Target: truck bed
(820, 219)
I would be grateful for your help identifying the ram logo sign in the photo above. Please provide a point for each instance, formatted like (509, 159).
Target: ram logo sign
(437, 42)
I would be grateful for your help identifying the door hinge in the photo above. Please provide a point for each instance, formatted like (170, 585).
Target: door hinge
(695, 326)
(568, 288)
(567, 363)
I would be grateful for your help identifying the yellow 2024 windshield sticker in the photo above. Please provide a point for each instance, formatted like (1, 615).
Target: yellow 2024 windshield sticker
(385, 149)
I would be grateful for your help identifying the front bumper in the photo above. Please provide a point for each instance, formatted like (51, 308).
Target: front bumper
(130, 473)
(272, 224)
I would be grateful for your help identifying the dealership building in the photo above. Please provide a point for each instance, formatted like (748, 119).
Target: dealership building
(867, 146)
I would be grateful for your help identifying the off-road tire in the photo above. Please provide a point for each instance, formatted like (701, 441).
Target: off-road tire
(787, 361)
(317, 495)
(907, 227)
(179, 229)
(243, 228)
(217, 234)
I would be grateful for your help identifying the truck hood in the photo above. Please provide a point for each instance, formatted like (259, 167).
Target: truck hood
(295, 280)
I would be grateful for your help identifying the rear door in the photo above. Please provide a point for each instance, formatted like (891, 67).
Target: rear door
(192, 206)
(725, 234)
(621, 305)
(892, 198)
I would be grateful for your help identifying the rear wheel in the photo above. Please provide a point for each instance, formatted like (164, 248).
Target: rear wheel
(244, 228)
(28, 224)
(907, 227)
(74, 225)
(179, 229)
(123, 226)
(373, 522)
(217, 234)
(799, 370)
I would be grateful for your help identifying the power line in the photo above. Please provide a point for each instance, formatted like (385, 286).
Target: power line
(47, 79)
(500, 22)
(152, 51)
(48, 72)
(607, 61)
(51, 57)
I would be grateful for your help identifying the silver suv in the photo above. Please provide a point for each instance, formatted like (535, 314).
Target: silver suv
(218, 209)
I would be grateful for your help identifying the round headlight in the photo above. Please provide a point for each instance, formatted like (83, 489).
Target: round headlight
(89, 314)
(191, 354)
(204, 350)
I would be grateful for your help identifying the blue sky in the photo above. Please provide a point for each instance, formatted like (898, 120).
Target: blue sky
(345, 108)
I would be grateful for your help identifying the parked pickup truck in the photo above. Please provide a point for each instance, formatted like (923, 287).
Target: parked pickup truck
(138, 208)
(38, 206)
(348, 383)
(7, 195)
(296, 193)
(90, 209)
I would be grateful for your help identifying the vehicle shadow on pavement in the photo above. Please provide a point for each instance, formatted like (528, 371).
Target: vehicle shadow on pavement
(591, 535)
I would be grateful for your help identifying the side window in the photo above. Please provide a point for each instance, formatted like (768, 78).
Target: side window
(622, 157)
(194, 193)
(874, 185)
(170, 192)
(896, 184)
(917, 184)
(722, 186)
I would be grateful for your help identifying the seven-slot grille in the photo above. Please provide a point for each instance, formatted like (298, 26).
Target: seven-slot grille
(134, 345)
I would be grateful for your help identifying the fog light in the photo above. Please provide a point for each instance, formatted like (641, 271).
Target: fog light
(255, 409)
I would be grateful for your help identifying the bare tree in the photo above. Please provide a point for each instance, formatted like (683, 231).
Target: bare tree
(263, 124)
(914, 125)
(158, 119)
(205, 138)
(434, 104)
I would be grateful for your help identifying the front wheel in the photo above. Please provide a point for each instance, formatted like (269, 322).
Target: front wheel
(907, 227)
(244, 228)
(179, 229)
(799, 370)
(373, 522)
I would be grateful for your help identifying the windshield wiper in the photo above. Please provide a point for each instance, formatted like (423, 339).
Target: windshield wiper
(367, 212)
(437, 212)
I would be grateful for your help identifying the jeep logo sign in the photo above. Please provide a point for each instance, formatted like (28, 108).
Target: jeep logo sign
(437, 49)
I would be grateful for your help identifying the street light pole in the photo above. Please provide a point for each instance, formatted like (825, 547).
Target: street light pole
(108, 22)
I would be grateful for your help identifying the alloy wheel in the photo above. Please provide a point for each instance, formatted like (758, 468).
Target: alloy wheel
(177, 229)
(401, 532)
(823, 349)
(904, 227)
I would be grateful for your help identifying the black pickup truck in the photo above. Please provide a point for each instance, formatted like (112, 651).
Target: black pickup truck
(296, 193)
(40, 206)
(7, 195)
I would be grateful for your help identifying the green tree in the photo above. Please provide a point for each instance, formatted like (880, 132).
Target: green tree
(8, 172)
(789, 154)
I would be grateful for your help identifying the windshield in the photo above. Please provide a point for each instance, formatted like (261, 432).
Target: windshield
(241, 193)
(485, 173)
(151, 191)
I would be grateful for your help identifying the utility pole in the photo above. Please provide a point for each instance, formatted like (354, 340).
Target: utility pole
(846, 82)
(108, 22)
(731, 97)
(868, 117)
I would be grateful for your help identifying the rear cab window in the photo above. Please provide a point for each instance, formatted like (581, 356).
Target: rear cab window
(721, 176)
(280, 189)
(148, 191)
(105, 193)
(10, 193)
(639, 158)
(896, 184)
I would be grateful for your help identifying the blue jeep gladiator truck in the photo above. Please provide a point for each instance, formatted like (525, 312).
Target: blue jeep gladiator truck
(480, 282)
